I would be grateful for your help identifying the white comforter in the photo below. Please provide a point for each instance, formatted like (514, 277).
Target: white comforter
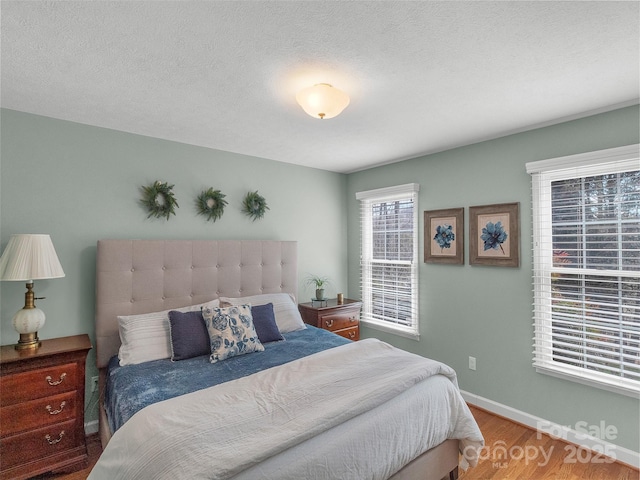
(255, 427)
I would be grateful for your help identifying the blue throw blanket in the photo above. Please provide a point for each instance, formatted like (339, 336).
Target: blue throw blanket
(133, 387)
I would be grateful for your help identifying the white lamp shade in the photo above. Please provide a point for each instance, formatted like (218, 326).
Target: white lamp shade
(322, 100)
(30, 257)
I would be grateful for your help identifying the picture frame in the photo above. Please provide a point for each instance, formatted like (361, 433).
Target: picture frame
(494, 235)
(444, 236)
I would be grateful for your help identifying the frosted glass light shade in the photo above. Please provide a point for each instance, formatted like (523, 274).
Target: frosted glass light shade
(30, 257)
(28, 320)
(322, 100)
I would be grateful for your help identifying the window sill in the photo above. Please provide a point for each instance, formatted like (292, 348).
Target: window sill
(402, 332)
(592, 382)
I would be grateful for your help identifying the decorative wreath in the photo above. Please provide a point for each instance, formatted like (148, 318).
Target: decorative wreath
(211, 203)
(159, 200)
(254, 205)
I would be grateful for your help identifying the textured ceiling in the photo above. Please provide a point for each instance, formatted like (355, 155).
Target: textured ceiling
(422, 76)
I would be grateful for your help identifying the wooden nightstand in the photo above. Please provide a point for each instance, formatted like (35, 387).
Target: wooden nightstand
(42, 407)
(343, 319)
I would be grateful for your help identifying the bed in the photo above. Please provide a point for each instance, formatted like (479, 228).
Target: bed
(290, 410)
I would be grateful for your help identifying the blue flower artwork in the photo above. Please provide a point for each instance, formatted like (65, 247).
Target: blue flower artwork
(493, 236)
(444, 236)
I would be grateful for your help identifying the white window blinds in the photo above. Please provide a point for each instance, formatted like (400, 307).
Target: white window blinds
(586, 227)
(389, 258)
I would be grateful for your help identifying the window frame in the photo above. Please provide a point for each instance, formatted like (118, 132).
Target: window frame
(400, 192)
(544, 173)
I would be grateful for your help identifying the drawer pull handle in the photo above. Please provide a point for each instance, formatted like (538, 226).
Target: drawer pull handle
(53, 441)
(56, 412)
(57, 382)
(329, 323)
(352, 334)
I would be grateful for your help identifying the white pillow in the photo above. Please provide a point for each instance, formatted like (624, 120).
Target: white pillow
(285, 310)
(146, 337)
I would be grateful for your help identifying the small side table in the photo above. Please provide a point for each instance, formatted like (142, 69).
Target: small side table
(42, 407)
(342, 319)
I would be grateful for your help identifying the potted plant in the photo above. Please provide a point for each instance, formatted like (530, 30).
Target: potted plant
(319, 283)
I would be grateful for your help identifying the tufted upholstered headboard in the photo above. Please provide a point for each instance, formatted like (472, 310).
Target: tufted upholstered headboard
(138, 276)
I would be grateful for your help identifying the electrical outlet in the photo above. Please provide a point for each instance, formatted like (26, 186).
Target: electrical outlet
(94, 384)
(472, 363)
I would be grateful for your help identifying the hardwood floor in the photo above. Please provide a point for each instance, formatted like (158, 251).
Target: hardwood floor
(536, 457)
(544, 459)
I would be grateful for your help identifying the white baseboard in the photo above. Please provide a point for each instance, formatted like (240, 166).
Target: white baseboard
(91, 427)
(565, 433)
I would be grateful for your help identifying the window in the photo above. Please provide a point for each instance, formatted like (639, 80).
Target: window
(389, 258)
(586, 229)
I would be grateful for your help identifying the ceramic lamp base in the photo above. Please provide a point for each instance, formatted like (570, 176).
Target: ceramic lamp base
(28, 321)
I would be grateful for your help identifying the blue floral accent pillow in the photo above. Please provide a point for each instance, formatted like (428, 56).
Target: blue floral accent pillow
(231, 332)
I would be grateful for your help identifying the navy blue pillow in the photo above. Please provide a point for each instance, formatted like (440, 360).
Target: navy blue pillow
(189, 336)
(264, 322)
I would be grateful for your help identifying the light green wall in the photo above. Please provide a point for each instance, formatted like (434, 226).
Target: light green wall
(81, 183)
(486, 312)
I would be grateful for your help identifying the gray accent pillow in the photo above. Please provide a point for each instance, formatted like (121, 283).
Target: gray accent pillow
(264, 322)
(189, 336)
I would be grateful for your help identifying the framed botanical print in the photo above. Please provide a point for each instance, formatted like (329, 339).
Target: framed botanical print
(444, 236)
(494, 232)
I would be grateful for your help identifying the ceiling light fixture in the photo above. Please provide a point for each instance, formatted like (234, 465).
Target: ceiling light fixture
(322, 100)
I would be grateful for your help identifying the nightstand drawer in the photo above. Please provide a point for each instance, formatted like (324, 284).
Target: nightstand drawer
(38, 443)
(352, 333)
(338, 320)
(38, 383)
(37, 413)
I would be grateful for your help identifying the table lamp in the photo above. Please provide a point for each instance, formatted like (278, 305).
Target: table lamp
(29, 257)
